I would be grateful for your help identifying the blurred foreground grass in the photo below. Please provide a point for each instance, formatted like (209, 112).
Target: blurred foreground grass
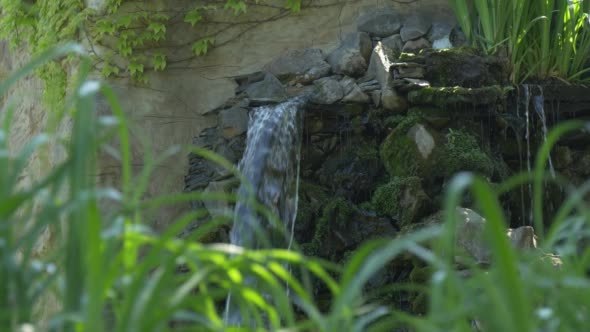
(110, 272)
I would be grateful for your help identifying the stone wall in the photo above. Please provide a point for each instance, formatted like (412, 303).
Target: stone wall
(174, 108)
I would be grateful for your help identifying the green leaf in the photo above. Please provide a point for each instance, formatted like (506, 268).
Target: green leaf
(159, 61)
(108, 70)
(193, 17)
(135, 68)
(294, 5)
(201, 46)
(238, 6)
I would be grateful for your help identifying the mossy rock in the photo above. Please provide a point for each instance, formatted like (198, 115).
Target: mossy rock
(444, 96)
(436, 117)
(461, 66)
(352, 171)
(402, 199)
(462, 152)
(343, 227)
(411, 148)
(312, 199)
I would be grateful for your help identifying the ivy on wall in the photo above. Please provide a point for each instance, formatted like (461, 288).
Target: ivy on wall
(126, 38)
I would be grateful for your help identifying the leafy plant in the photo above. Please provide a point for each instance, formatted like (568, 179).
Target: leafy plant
(544, 39)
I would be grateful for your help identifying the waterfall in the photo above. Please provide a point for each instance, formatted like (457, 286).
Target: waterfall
(270, 170)
(538, 100)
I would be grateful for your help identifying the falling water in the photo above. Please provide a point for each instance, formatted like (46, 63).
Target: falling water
(270, 167)
(527, 101)
(538, 105)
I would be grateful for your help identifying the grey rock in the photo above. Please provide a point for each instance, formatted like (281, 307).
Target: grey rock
(379, 23)
(295, 64)
(327, 91)
(392, 101)
(457, 37)
(522, 237)
(218, 208)
(413, 46)
(352, 92)
(268, 89)
(407, 70)
(414, 28)
(233, 121)
(352, 56)
(379, 67)
(443, 43)
(370, 85)
(439, 30)
(394, 43)
(376, 97)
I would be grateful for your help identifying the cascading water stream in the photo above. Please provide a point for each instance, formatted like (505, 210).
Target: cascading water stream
(270, 170)
(538, 101)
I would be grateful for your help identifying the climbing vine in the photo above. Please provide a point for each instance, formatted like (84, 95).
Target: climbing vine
(126, 38)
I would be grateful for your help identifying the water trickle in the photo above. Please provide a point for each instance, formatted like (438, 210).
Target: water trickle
(270, 169)
(527, 101)
(538, 105)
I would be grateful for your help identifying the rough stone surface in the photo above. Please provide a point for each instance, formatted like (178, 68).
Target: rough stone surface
(327, 91)
(233, 121)
(352, 92)
(413, 46)
(299, 63)
(393, 101)
(379, 23)
(414, 27)
(439, 30)
(394, 43)
(352, 56)
(411, 149)
(269, 89)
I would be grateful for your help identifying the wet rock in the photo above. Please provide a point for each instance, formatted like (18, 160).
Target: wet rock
(441, 44)
(407, 70)
(369, 86)
(303, 66)
(439, 30)
(413, 46)
(523, 237)
(457, 37)
(269, 89)
(343, 227)
(438, 96)
(380, 23)
(462, 152)
(352, 171)
(327, 91)
(394, 43)
(411, 149)
(393, 101)
(352, 92)
(352, 56)
(220, 208)
(233, 121)
(381, 60)
(562, 157)
(402, 199)
(409, 84)
(436, 117)
(414, 28)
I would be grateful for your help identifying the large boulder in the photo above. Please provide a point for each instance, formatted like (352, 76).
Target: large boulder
(233, 121)
(303, 66)
(327, 91)
(415, 27)
(269, 89)
(380, 65)
(352, 56)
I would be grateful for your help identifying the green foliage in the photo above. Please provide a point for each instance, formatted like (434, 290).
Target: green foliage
(543, 39)
(132, 37)
(112, 266)
(463, 153)
(387, 197)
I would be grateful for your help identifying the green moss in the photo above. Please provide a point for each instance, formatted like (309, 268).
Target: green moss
(440, 96)
(462, 153)
(435, 116)
(337, 211)
(387, 198)
(312, 198)
(400, 154)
